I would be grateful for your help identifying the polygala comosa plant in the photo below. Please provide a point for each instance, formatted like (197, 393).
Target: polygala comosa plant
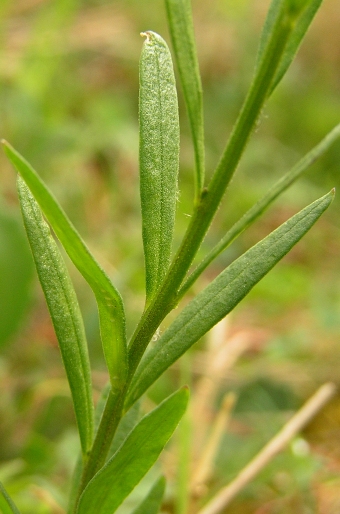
(104, 474)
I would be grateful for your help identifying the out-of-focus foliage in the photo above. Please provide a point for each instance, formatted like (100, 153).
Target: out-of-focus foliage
(16, 271)
(68, 102)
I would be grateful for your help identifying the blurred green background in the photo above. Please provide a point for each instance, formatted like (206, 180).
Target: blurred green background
(69, 104)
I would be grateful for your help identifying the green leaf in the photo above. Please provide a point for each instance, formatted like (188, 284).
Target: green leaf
(112, 484)
(301, 13)
(158, 157)
(152, 502)
(183, 41)
(110, 305)
(260, 207)
(222, 295)
(64, 310)
(7, 505)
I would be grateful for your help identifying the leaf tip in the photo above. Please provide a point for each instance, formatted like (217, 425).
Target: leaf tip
(332, 194)
(153, 37)
(147, 34)
(6, 145)
(8, 149)
(185, 391)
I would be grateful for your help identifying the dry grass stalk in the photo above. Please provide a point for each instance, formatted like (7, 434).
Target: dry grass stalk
(294, 425)
(205, 465)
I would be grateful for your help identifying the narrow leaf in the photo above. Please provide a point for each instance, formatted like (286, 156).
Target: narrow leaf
(158, 155)
(222, 295)
(302, 13)
(112, 484)
(110, 305)
(153, 501)
(262, 205)
(183, 41)
(64, 310)
(7, 505)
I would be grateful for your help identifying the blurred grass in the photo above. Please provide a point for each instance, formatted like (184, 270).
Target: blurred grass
(68, 103)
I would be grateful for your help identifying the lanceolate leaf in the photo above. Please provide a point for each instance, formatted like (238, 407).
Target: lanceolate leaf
(151, 504)
(183, 41)
(112, 484)
(222, 295)
(7, 505)
(110, 305)
(158, 154)
(64, 309)
(302, 13)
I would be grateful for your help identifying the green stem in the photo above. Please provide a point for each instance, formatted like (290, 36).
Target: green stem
(108, 425)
